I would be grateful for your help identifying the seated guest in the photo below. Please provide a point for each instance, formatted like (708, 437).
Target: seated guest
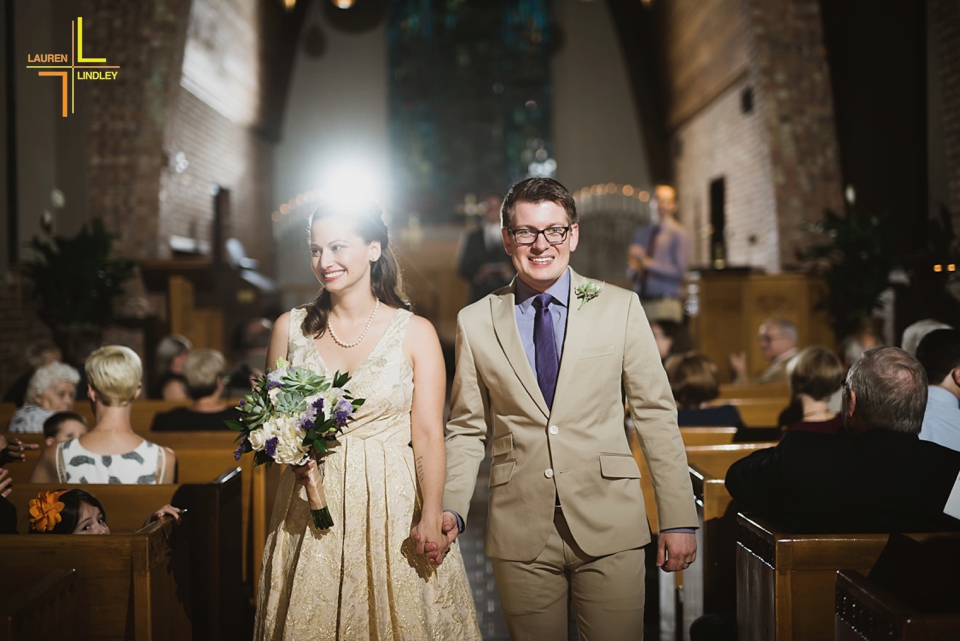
(939, 354)
(63, 426)
(778, 344)
(875, 476)
(914, 333)
(38, 354)
(695, 382)
(111, 452)
(171, 354)
(853, 346)
(665, 333)
(51, 389)
(204, 376)
(77, 512)
(816, 374)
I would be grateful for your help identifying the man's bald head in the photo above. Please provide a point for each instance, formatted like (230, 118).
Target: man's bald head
(890, 389)
(665, 200)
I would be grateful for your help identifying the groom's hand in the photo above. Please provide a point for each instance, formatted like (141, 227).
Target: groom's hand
(676, 550)
(450, 527)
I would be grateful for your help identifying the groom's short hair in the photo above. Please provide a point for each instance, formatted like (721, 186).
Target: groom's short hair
(537, 190)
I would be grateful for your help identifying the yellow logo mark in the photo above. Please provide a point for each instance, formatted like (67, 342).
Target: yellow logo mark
(101, 71)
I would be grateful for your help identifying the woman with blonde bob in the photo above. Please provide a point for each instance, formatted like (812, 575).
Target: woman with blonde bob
(111, 452)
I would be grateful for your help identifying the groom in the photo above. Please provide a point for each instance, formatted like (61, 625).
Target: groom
(541, 366)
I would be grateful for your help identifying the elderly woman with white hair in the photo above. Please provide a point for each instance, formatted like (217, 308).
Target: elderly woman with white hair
(52, 389)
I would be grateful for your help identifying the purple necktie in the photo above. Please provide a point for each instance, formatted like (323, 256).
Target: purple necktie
(545, 346)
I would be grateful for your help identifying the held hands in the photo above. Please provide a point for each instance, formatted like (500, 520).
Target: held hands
(676, 551)
(430, 544)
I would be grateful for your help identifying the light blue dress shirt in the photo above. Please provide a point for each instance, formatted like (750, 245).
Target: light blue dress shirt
(526, 315)
(941, 420)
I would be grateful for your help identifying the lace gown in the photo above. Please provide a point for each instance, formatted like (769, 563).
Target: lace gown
(361, 579)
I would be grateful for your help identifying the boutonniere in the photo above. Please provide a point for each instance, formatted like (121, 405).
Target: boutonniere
(587, 292)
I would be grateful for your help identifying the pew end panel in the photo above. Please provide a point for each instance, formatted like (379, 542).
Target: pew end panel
(212, 525)
(709, 584)
(867, 612)
(128, 586)
(786, 583)
(39, 607)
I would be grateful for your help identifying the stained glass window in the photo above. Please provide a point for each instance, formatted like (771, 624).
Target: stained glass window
(470, 99)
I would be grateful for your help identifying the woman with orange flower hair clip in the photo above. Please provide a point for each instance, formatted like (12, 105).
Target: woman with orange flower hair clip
(77, 512)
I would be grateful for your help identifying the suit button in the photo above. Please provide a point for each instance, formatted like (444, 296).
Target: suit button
(548, 473)
(554, 429)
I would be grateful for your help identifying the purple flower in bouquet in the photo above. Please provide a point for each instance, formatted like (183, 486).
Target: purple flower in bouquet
(307, 424)
(273, 378)
(270, 447)
(238, 452)
(342, 412)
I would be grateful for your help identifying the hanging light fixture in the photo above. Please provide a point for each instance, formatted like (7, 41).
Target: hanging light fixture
(343, 4)
(289, 4)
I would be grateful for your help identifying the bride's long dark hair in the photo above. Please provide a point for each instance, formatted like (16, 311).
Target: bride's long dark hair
(385, 280)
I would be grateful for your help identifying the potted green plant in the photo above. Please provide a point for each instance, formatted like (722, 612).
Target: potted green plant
(856, 259)
(77, 281)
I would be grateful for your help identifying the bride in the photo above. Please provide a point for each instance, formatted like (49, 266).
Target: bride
(367, 577)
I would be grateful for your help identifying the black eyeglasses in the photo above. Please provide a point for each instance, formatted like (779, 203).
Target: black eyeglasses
(528, 236)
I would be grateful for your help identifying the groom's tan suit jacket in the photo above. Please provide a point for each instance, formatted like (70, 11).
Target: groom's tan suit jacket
(578, 450)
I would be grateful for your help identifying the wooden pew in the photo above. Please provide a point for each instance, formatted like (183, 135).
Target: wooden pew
(39, 607)
(142, 411)
(200, 457)
(692, 436)
(707, 585)
(211, 525)
(757, 412)
(766, 390)
(786, 583)
(129, 586)
(866, 612)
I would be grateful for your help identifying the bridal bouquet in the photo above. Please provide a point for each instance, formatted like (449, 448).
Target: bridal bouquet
(294, 414)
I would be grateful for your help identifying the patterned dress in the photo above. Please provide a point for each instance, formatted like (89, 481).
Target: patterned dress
(143, 465)
(362, 578)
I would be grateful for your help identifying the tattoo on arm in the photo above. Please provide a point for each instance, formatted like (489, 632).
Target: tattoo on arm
(420, 468)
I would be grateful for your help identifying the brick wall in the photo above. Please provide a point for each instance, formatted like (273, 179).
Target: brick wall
(946, 37)
(721, 141)
(221, 152)
(19, 326)
(128, 116)
(788, 66)
(780, 162)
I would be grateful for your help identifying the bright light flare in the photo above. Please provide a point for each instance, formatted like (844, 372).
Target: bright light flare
(351, 183)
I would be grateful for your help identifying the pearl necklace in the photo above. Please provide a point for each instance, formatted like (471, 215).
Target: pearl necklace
(336, 339)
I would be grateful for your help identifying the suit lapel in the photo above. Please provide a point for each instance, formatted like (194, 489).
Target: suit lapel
(577, 325)
(505, 325)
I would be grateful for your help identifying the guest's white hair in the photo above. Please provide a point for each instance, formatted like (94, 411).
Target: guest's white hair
(48, 376)
(913, 334)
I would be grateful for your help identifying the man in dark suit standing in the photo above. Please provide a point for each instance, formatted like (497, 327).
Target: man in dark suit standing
(876, 476)
(483, 260)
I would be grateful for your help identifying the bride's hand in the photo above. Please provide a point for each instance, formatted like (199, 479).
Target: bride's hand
(430, 539)
(302, 472)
